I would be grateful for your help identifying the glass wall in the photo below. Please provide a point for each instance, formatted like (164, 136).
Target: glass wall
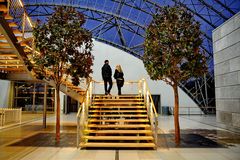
(30, 96)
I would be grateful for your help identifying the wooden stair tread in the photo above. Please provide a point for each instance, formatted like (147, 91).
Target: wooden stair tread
(91, 116)
(96, 100)
(12, 24)
(119, 125)
(118, 137)
(133, 107)
(19, 38)
(118, 111)
(9, 60)
(136, 145)
(8, 55)
(4, 44)
(19, 69)
(6, 49)
(23, 43)
(3, 8)
(16, 31)
(118, 120)
(107, 96)
(94, 103)
(8, 17)
(118, 131)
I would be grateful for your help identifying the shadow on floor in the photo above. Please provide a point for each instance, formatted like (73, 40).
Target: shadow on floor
(187, 141)
(47, 140)
(190, 138)
(199, 138)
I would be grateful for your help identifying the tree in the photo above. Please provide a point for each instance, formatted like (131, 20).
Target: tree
(172, 51)
(64, 51)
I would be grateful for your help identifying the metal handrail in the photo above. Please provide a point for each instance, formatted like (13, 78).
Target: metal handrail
(82, 115)
(154, 108)
(151, 110)
(190, 110)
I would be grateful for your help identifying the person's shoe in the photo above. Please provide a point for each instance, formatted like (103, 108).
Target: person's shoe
(106, 93)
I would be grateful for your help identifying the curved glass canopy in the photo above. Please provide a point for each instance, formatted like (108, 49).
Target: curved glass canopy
(122, 24)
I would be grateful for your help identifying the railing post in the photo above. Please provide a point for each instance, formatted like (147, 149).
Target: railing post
(4, 117)
(45, 106)
(140, 87)
(20, 115)
(156, 129)
(91, 91)
(8, 7)
(78, 123)
(23, 25)
(144, 90)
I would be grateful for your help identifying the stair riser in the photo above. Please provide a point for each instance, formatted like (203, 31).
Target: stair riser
(118, 106)
(118, 139)
(120, 145)
(122, 138)
(118, 111)
(118, 100)
(117, 116)
(119, 132)
(131, 128)
(119, 120)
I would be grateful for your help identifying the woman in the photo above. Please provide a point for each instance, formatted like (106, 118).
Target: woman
(118, 75)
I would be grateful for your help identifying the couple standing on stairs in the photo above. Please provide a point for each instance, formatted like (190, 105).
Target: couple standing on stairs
(107, 77)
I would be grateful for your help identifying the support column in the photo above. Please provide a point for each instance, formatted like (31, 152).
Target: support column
(206, 93)
(16, 95)
(11, 95)
(65, 104)
(34, 97)
(45, 106)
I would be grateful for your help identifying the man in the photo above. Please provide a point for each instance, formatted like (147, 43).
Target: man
(107, 77)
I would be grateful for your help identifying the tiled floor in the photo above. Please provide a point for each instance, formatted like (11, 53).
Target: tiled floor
(31, 141)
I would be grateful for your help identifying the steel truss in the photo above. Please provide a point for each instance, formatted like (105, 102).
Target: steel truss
(122, 24)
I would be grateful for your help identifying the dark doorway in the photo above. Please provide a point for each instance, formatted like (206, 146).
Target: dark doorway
(157, 102)
(70, 105)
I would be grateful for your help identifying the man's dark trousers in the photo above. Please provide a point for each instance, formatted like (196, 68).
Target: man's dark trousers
(107, 90)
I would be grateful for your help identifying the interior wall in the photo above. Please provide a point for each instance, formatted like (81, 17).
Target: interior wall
(4, 93)
(134, 70)
(226, 49)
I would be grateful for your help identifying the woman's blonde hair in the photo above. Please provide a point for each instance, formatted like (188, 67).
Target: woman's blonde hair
(119, 68)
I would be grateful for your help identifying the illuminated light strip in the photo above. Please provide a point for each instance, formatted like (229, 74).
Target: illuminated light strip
(29, 21)
(20, 1)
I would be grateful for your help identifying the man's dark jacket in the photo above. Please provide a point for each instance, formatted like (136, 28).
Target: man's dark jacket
(106, 72)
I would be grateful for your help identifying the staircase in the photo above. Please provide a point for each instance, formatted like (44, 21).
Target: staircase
(118, 122)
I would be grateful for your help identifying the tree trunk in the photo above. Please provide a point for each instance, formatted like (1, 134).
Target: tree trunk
(176, 115)
(58, 114)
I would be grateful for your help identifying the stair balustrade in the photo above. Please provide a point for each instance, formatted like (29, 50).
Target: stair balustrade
(128, 120)
(10, 116)
(151, 110)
